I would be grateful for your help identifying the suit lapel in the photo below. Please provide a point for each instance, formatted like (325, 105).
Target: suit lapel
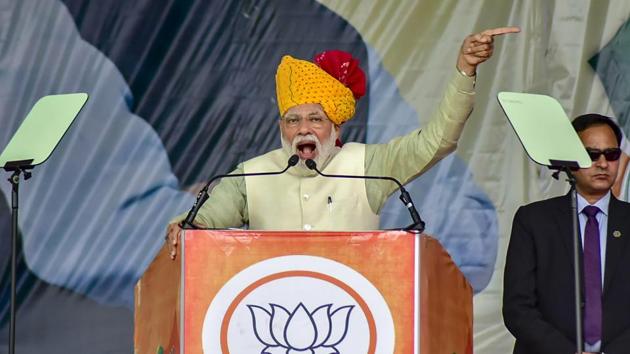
(564, 222)
(616, 239)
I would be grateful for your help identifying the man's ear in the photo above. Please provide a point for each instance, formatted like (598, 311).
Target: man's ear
(281, 127)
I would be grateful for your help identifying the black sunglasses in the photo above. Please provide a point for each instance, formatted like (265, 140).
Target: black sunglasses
(611, 154)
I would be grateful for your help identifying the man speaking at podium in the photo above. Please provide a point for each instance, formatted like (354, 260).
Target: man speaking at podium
(315, 99)
(538, 291)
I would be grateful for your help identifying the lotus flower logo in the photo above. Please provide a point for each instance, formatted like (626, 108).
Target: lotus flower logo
(300, 331)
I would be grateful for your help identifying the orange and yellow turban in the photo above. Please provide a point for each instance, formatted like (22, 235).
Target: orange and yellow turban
(334, 81)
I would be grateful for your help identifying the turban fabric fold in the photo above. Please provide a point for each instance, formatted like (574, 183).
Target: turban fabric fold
(334, 81)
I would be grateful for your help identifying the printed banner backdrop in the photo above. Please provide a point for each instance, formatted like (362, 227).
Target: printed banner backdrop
(183, 89)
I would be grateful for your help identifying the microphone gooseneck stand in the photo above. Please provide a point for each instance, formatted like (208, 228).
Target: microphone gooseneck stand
(417, 225)
(577, 248)
(203, 194)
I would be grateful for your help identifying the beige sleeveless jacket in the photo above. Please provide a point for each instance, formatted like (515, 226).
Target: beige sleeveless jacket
(300, 200)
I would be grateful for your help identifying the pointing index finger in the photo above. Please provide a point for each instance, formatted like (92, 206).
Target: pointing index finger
(501, 30)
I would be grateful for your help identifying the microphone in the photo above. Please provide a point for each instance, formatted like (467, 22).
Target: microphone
(203, 194)
(418, 225)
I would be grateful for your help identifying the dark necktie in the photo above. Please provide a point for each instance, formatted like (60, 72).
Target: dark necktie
(592, 278)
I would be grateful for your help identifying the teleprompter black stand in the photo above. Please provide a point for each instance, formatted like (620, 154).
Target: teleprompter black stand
(549, 139)
(567, 167)
(18, 168)
(32, 144)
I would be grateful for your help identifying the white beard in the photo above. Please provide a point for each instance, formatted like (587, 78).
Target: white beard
(325, 149)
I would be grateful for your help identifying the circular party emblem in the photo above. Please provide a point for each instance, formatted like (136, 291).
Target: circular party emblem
(298, 305)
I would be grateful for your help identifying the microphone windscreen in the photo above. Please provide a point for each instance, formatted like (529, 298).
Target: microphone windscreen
(293, 160)
(311, 164)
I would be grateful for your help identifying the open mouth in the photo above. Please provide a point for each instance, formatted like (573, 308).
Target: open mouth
(306, 150)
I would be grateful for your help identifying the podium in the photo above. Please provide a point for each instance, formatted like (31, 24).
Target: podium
(268, 292)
